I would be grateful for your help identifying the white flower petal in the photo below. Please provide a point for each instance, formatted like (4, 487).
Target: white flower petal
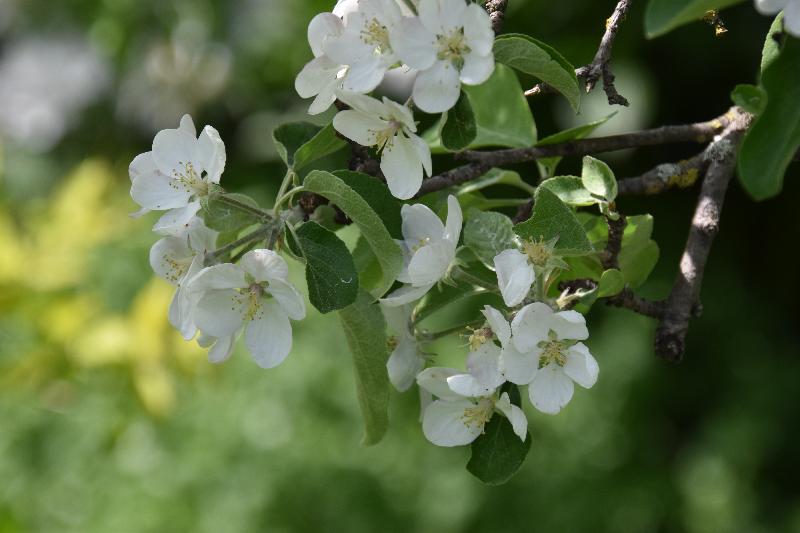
(269, 336)
(423, 152)
(289, 298)
(349, 48)
(365, 75)
(322, 27)
(176, 221)
(220, 313)
(402, 167)
(326, 97)
(431, 263)
(581, 366)
(420, 225)
(264, 265)
(478, 30)
(222, 349)
(359, 127)
(771, 7)
(343, 7)
(404, 364)
(514, 414)
(500, 326)
(159, 192)
(398, 318)
(316, 75)
(569, 325)
(142, 165)
(405, 294)
(531, 326)
(551, 389)
(515, 276)
(211, 153)
(201, 238)
(437, 89)
(444, 423)
(484, 365)
(434, 380)
(187, 125)
(366, 104)
(477, 68)
(519, 368)
(442, 16)
(224, 276)
(414, 44)
(174, 150)
(791, 18)
(455, 219)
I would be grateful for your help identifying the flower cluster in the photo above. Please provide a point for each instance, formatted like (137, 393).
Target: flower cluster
(213, 303)
(446, 43)
(539, 348)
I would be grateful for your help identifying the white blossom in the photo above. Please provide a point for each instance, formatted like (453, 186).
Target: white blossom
(516, 270)
(321, 77)
(549, 338)
(254, 294)
(791, 13)
(364, 44)
(406, 359)
(177, 173)
(390, 127)
(429, 249)
(450, 42)
(177, 259)
(456, 420)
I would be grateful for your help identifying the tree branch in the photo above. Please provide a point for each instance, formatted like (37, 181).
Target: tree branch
(700, 132)
(666, 176)
(600, 65)
(497, 13)
(453, 177)
(670, 341)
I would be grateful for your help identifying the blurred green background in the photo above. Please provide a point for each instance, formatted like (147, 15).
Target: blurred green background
(109, 422)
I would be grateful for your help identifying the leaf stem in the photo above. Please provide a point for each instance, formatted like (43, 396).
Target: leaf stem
(231, 246)
(260, 214)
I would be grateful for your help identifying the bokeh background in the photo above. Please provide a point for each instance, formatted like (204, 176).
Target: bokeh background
(109, 422)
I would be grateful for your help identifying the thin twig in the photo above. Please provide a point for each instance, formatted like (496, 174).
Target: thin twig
(600, 66)
(453, 177)
(616, 229)
(670, 342)
(700, 132)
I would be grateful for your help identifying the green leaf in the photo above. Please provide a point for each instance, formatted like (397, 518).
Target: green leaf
(330, 272)
(553, 218)
(774, 138)
(547, 165)
(458, 127)
(569, 190)
(751, 98)
(378, 197)
(358, 210)
(611, 283)
(365, 330)
(536, 58)
(488, 233)
(773, 42)
(300, 143)
(663, 16)
(498, 453)
(225, 218)
(370, 275)
(639, 253)
(598, 179)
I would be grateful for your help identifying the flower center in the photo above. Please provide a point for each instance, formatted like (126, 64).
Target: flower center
(479, 337)
(453, 47)
(384, 137)
(177, 268)
(552, 352)
(479, 414)
(537, 251)
(422, 242)
(253, 298)
(187, 177)
(377, 35)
